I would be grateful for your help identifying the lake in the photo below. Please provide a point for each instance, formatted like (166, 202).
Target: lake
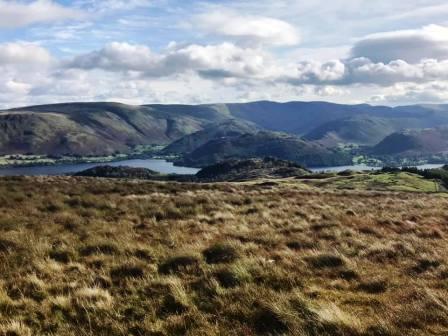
(161, 166)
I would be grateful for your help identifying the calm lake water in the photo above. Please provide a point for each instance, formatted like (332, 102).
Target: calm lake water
(160, 166)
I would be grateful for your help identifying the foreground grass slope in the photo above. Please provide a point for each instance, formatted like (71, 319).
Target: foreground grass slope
(81, 256)
(380, 181)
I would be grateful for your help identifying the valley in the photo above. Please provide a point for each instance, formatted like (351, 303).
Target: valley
(313, 134)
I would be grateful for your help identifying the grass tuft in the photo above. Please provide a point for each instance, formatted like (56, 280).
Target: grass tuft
(179, 264)
(220, 253)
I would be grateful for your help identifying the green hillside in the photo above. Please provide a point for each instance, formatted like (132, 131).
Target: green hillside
(191, 142)
(86, 129)
(414, 142)
(361, 130)
(263, 144)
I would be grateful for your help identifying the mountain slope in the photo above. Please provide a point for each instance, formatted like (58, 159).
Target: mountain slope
(414, 142)
(93, 128)
(302, 117)
(191, 142)
(361, 130)
(103, 128)
(264, 144)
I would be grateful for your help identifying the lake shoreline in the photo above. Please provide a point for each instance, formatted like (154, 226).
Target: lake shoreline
(160, 165)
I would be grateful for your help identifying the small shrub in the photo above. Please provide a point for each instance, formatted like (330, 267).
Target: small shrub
(220, 253)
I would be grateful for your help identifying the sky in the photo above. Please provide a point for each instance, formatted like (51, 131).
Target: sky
(383, 52)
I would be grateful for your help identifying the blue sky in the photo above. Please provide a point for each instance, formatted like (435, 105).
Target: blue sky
(171, 51)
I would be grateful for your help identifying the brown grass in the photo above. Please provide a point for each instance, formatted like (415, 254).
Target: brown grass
(83, 256)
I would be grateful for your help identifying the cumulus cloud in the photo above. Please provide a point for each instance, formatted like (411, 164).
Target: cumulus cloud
(18, 13)
(23, 53)
(199, 73)
(434, 92)
(248, 29)
(213, 61)
(226, 61)
(117, 57)
(409, 45)
(364, 71)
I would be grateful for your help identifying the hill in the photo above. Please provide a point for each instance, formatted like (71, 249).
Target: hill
(243, 170)
(231, 170)
(84, 129)
(264, 144)
(94, 128)
(119, 172)
(414, 142)
(191, 142)
(360, 130)
(85, 256)
(302, 117)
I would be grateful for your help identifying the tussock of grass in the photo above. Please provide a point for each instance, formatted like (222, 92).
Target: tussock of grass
(126, 271)
(100, 257)
(220, 253)
(325, 261)
(373, 286)
(105, 248)
(15, 328)
(179, 264)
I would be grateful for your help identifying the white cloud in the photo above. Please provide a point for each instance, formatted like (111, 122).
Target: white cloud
(24, 53)
(212, 61)
(117, 57)
(364, 71)
(13, 87)
(102, 6)
(252, 30)
(17, 13)
(434, 92)
(230, 64)
(409, 45)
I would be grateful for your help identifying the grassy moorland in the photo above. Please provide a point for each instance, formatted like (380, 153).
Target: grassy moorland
(83, 256)
(379, 181)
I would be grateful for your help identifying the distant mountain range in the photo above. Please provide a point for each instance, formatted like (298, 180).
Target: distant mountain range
(305, 132)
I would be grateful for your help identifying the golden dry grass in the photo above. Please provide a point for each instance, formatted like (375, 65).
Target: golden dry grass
(83, 256)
